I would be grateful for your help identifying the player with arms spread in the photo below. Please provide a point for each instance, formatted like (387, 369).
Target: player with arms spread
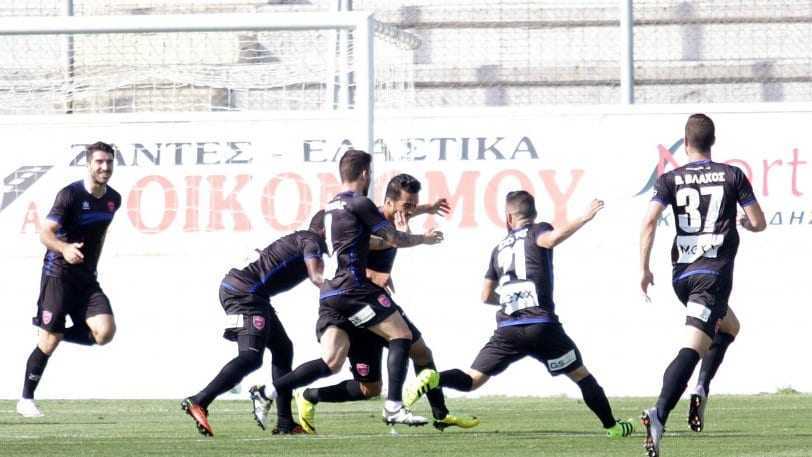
(349, 300)
(253, 324)
(74, 234)
(366, 348)
(704, 196)
(520, 280)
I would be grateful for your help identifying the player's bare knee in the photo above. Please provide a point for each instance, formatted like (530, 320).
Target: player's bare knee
(478, 378)
(420, 353)
(48, 341)
(730, 324)
(371, 389)
(578, 374)
(104, 334)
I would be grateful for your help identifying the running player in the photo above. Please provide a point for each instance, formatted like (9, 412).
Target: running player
(253, 324)
(703, 196)
(74, 235)
(520, 281)
(349, 300)
(366, 348)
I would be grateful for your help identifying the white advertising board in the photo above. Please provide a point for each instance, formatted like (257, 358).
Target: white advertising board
(201, 192)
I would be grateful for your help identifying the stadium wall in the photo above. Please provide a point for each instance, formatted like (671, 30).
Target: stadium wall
(201, 191)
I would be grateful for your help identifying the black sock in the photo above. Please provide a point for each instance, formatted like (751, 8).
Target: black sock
(33, 371)
(434, 396)
(79, 334)
(284, 416)
(457, 380)
(303, 375)
(595, 398)
(337, 393)
(675, 380)
(397, 364)
(714, 357)
(231, 374)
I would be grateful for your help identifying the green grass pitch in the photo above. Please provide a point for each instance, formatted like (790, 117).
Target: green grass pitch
(737, 426)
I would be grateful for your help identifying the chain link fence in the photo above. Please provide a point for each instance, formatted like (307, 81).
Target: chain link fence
(470, 53)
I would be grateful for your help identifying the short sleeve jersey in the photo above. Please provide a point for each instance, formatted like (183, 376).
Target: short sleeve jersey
(704, 196)
(349, 221)
(524, 272)
(280, 266)
(82, 218)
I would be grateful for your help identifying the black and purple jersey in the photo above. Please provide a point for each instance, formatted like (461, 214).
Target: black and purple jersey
(280, 266)
(382, 261)
(704, 196)
(349, 221)
(82, 218)
(524, 272)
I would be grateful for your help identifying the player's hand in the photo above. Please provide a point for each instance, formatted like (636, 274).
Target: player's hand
(440, 207)
(594, 208)
(401, 222)
(72, 254)
(645, 281)
(433, 237)
(744, 221)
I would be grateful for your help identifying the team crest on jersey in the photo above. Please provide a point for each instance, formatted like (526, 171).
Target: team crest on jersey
(85, 206)
(384, 301)
(259, 322)
(362, 369)
(111, 206)
(47, 317)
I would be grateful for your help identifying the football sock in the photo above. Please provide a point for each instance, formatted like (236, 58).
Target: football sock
(231, 374)
(675, 380)
(337, 393)
(596, 400)
(434, 396)
(397, 364)
(714, 357)
(79, 334)
(457, 380)
(33, 371)
(303, 375)
(284, 416)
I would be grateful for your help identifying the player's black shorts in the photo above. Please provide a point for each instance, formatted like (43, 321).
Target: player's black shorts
(547, 343)
(252, 316)
(360, 307)
(705, 297)
(366, 351)
(62, 296)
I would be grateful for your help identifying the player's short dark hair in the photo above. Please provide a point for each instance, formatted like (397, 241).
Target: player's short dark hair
(700, 133)
(317, 223)
(98, 146)
(521, 203)
(402, 182)
(352, 164)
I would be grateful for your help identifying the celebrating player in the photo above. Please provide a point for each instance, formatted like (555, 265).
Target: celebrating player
(366, 348)
(349, 299)
(253, 323)
(520, 280)
(703, 196)
(74, 234)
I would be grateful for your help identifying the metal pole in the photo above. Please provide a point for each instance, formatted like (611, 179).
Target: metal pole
(69, 61)
(364, 35)
(626, 52)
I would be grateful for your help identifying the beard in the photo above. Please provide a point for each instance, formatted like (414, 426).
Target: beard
(100, 178)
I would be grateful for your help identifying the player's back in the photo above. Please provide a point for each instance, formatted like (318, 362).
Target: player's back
(280, 265)
(704, 196)
(524, 272)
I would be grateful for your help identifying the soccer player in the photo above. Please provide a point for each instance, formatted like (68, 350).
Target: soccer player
(253, 324)
(520, 280)
(349, 300)
(73, 234)
(366, 348)
(703, 196)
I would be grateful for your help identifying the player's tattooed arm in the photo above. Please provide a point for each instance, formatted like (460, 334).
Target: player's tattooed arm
(753, 218)
(71, 252)
(400, 239)
(315, 270)
(489, 296)
(440, 207)
(553, 238)
(647, 232)
(377, 243)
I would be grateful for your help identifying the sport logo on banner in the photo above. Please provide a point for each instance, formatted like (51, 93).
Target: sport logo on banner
(259, 322)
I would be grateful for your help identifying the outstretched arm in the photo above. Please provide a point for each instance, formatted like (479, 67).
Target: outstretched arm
(440, 207)
(647, 232)
(553, 238)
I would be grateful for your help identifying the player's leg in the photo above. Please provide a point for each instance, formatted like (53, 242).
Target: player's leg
(93, 321)
(52, 308)
(281, 349)
(394, 329)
